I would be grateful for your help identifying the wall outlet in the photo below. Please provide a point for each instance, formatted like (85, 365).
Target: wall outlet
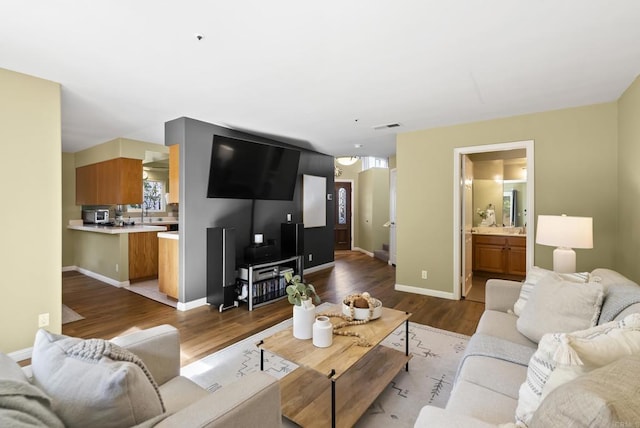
(117, 267)
(43, 320)
(424, 274)
(310, 257)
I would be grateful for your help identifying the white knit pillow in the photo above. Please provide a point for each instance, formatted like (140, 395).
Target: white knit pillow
(562, 357)
(534, 275)
(93, 386)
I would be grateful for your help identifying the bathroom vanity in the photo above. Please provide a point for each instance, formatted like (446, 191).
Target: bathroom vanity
(500, 253)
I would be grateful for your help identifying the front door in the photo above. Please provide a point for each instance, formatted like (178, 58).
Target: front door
(342, 225)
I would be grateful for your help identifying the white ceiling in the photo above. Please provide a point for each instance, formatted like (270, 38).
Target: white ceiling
(320, 74)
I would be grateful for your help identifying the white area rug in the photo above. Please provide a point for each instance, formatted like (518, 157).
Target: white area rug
(69, 315)
(436, 354)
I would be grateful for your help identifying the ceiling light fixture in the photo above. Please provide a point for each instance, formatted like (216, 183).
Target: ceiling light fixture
(347, 160)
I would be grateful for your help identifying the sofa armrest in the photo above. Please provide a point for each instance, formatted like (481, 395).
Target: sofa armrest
(501, 295)
(158, 347)
(253, 401)
(435, 417)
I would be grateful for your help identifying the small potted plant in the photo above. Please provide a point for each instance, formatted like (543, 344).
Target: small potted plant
(302, 296)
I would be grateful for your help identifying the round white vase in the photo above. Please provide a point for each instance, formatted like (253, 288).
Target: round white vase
(322, 332)
(303, 318)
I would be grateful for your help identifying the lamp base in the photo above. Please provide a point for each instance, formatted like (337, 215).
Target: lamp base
(564, 260)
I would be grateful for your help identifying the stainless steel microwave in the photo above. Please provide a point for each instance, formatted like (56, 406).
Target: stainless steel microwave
(99, 216)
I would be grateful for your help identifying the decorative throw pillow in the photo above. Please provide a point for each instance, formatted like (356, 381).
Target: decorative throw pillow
(605, 397)
(94, 382)
(561, 358)
(534, 275)
(559, 306)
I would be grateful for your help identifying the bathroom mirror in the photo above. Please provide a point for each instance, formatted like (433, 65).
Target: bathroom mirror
(499, 179)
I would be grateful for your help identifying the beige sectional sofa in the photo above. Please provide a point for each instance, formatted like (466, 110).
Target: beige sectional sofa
(72, 382)
(491, 378)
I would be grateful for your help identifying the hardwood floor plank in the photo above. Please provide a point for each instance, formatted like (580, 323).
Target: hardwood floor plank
(111, 311)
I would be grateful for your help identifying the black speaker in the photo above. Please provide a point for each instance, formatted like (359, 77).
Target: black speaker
(221, 267)
(292, 239)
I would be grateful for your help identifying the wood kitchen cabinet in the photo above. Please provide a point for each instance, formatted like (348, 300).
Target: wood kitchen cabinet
(115, 181)
(143, 256)
(505, 255)
(174, 174)
(168, 266)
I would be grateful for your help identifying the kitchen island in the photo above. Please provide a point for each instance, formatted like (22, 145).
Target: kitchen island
(114, 230)
(168, 263)
(117, 255)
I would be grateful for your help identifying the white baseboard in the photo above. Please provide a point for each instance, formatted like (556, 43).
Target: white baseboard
(102, 278)
(69, 268)
(368, 253)
(320, 267)
(21, 354)
(425, 291)
(192, 304)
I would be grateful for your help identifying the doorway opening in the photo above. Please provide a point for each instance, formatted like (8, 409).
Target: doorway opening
(464, 210)
(343, 227)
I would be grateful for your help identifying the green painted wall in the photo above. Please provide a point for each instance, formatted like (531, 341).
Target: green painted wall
(117, 148)
(576, 157)
(628, 242)
(101, 252)
(70, 211)
(30, 170)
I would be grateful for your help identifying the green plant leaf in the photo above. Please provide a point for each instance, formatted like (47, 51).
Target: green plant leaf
(292, 290)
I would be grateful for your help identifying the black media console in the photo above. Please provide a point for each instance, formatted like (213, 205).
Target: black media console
(264, 281)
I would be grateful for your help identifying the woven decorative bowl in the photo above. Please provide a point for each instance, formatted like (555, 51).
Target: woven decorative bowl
(363, 313)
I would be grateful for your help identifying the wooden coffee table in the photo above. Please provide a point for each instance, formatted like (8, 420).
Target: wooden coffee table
(336, 385)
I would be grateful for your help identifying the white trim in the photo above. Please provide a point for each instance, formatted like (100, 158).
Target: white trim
(368, 253)
(353, 188)
(425, 291)
(528, 145)
(319, 267)
(69, 268)
(21, 354)
(102, 278)
(192, 304)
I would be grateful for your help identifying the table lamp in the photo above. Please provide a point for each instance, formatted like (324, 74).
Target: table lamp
(565, 233)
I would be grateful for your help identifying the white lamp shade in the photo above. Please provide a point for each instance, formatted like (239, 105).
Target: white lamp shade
(564, 231)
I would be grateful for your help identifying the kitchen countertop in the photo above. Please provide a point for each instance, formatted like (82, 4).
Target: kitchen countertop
(114, 230)
(169, 235)
(499, 234)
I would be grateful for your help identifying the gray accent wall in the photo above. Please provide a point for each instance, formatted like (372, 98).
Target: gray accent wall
(197, 212)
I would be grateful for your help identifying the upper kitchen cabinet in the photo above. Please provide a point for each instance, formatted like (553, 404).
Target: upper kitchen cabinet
(174, 174)
(115, 181)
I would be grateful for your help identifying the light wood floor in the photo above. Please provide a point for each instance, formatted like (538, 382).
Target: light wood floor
(111, 311)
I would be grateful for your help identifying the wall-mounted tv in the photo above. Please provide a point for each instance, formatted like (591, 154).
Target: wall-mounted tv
(242, 169)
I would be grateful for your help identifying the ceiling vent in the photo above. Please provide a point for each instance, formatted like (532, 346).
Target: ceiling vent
(386, 126)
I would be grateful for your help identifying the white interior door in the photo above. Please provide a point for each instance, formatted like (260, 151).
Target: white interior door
(392, 215)
(466, 215)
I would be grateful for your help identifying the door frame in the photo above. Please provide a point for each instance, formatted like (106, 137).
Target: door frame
(393, 197)
(353, 191)
(458, 183)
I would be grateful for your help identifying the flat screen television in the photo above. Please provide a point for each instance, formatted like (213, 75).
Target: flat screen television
(242, 169)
